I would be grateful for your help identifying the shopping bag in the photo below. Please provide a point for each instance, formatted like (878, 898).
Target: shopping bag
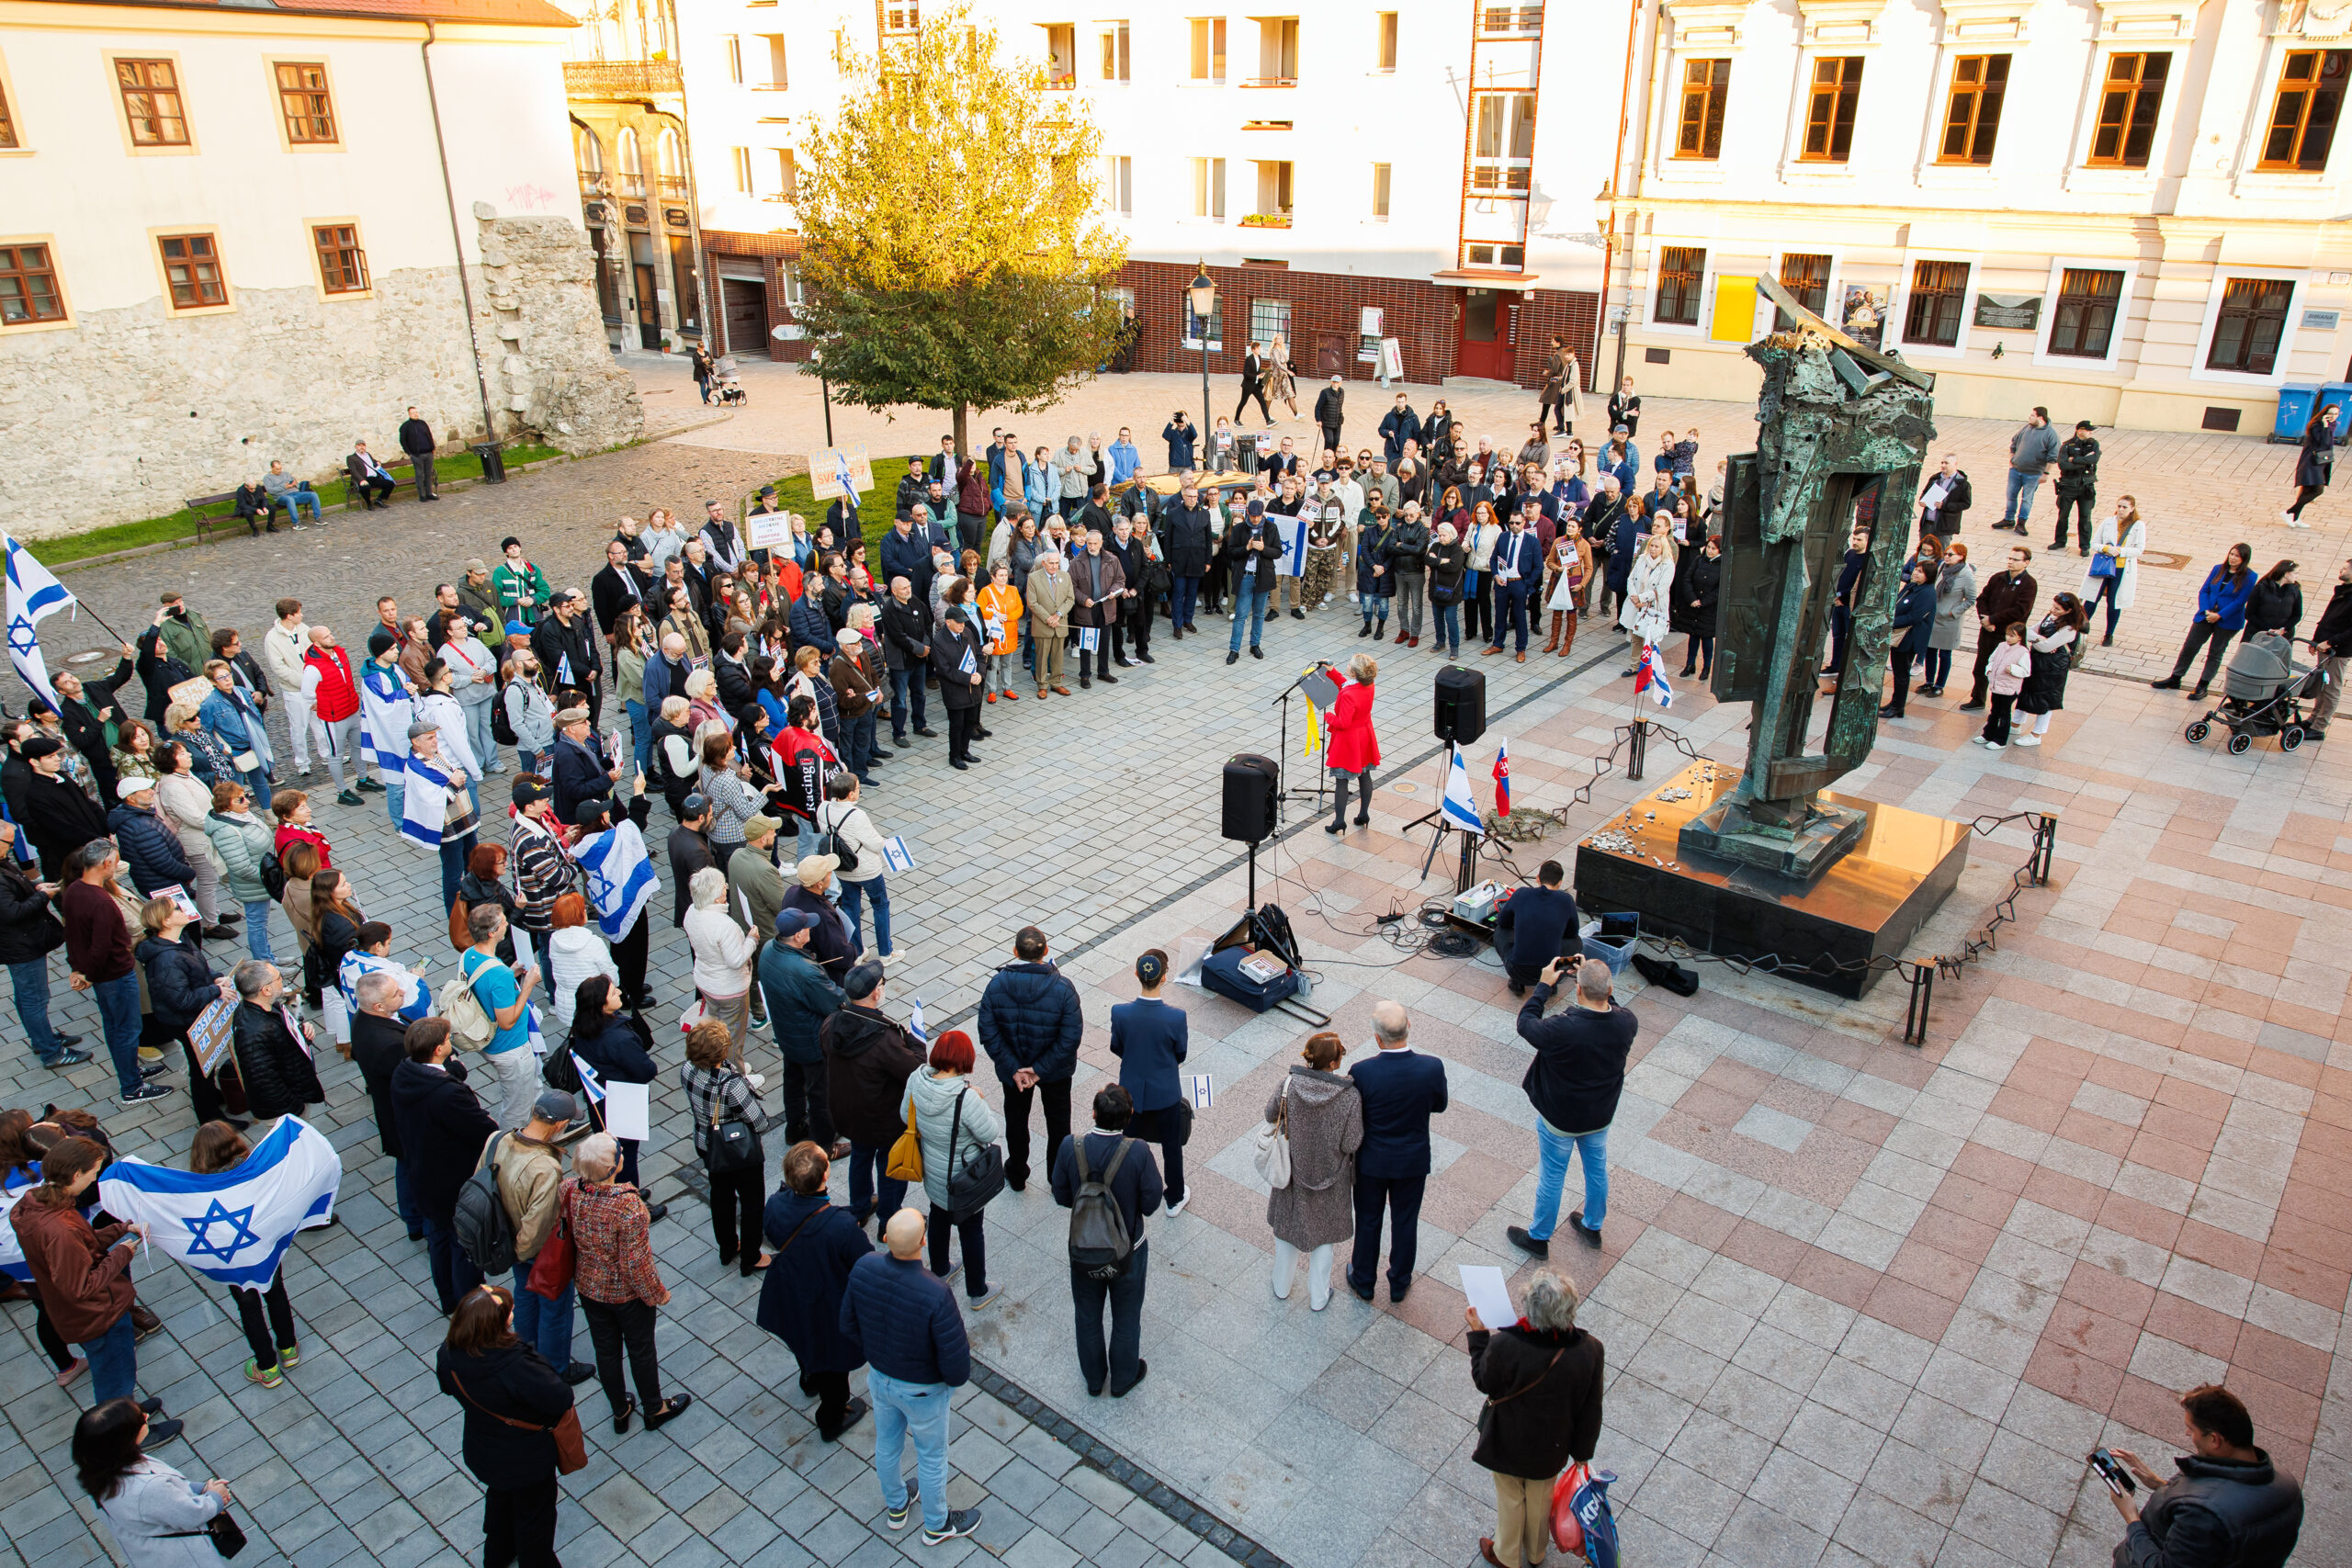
(1581, 1521)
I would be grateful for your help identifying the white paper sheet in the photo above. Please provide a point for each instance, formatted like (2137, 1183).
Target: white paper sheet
(1490, 1297)
(1203, 1091)
(628, 1112)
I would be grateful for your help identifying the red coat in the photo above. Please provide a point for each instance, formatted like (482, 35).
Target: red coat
(1353, 748)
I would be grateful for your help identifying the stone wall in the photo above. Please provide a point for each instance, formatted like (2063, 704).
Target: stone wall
(129, 412)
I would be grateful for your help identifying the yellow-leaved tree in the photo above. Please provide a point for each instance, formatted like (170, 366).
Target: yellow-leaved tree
(953, 257)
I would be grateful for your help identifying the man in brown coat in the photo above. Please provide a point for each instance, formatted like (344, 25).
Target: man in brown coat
(529, 1172)
(855, 674)
(2007, 600)
(1096, 582)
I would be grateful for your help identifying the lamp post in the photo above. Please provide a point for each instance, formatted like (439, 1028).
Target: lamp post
(824, 390)
(1203, 302)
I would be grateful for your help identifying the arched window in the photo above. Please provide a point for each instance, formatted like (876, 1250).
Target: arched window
(668, 153)
(632, 162)
(588, 154)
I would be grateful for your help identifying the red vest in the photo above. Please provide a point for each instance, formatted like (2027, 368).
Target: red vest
(338, 690)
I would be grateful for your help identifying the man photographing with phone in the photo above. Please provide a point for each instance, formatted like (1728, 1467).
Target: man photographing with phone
(2229, 1508)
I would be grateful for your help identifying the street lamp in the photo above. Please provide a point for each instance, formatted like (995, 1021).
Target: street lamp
(1204, 301)
(824, 391)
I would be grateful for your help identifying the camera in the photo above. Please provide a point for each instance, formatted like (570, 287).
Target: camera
(2110, 1470)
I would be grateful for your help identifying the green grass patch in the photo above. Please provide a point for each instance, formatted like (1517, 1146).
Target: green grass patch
(876, 510)
(180, 525)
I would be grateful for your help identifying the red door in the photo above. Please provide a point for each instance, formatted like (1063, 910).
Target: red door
(1483, 344)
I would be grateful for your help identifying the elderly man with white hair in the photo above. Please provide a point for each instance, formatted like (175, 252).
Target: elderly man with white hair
(722, 950)
(1401, 1089)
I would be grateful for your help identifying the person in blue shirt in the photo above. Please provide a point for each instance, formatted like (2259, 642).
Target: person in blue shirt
(1182, 439)
(1125, 461)
(2220, 616)
(505, 996)
(1915, 619)
(1401, 1089)
(1150, 1037)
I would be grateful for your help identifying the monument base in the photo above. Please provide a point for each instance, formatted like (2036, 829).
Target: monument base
(1864, 905)
(1801, 853)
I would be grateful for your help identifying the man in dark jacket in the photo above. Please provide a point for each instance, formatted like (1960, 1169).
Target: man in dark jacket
(1030, 1023)
(442, 1129)
(830, 945)
(913, 485)
(1573, 1082)
(818, 1244)
(1136, 1187)
(2077, 485)
(1401, 1089)
(92, 715)
(1330, 413)
(689, 848)
(1842, 603)
(2229, 1508)
(580, 773)
(799, 999)
(905, 625)
(1182, 438)
(2331, 639)
(905, 1323)
(2006, 600)
(150, 847)
(867, 1059)
(959, 662)
(416, 440)
(1954, 498)
(1185, 523)
(29, 932)
(566, 644)
(279, 1074)
(380, 1045)
(59, 819)
(1537, 925)
(906, 549)
(1398, 425)
(1253, 556)
(619, 585)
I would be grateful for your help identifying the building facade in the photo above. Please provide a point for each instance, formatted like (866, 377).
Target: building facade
(2128, 211)
(1332, 161)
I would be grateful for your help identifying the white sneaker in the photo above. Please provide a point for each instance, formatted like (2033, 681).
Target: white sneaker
(757, 1081)
(2288, 518)
(1178, 1207)
(2027, 740)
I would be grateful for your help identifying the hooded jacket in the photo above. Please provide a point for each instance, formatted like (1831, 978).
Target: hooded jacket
(151, 848)
(933, 1097)
(867, 1059)
(180, 983)
(816, 1243)
(2241, 1513)
(1030, 1018)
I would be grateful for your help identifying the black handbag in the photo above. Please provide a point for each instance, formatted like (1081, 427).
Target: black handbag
(971, 1184)
(734, 1145)
(228, 1535)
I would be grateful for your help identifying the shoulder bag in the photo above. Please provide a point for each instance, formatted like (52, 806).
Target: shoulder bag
(553, 1269)
(1490, 1407)
(227, 1537)
(570, 1443)
(1273, 1143)
(906, 1152)
(979, 1179)
(734, 1143)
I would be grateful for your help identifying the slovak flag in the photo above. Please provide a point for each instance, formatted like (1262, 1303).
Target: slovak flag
(1650, 677)
(1502, 778)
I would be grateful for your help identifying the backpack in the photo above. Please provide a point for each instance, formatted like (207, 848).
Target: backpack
(832, 843)
(480, 1226)
(471, 1025)
(1272, 932)
(273, 876)
(501, 728)
(1099, 1247)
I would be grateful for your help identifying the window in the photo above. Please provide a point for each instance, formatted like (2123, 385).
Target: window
(2252, 322)
(902, 19)
(1277, 52)
(1972, 113)
(1505, 130)
(1680, 273)
(1384, 55)
(790, 273)
(1209, 49)
(1512, 256)
(632, 160)
(303, 98)
(2128, 104)
(1504, 19)
(1380, 190)
(685, 290)
(1269, 319)
(1122, 173)
(1215, 323)
(742, 159)
(8, 124)
(151, 100)
(342, 265)
(787, 175)
(192, 267)
(1061, 54)
(778, 78)
(1806, 277)
(1208, 188)
(1938, 293)
(29, 290)
(1705, 85)
(1114, 52)
(2084, 325)
(2303, 115)
(1273, 188)
(1829, 117)
(669, 165)
(735, 60)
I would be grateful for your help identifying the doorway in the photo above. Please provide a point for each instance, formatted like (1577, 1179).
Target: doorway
(747, 317)
(1484, 346)
(1331, 354)
(649, 308)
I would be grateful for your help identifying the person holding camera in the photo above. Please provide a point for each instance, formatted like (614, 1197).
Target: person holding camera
(2229, 1508)
(1574, 1083)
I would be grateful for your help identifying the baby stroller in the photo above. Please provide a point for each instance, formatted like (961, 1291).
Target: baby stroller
(728, 389)
(2262, 694)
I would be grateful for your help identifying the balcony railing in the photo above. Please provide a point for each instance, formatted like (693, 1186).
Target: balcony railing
(1269, 81)
(621, 78)
(672, 187)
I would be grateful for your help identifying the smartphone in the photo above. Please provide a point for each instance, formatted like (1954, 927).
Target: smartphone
(2110, 1470)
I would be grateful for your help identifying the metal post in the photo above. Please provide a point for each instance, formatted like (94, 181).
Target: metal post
(1207, 421)
(2045, 847)
(1923, 993)
(1639, 732)
(825, 393)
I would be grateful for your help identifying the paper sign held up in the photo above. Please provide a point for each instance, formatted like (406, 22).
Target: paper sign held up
(1203, 1091)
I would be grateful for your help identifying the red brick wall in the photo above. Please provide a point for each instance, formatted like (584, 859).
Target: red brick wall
(772, 250)
(1417, 313)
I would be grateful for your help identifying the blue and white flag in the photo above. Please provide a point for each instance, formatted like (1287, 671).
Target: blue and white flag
(416, 1005)
(592, 1082)
(233, 1227)
(842, 474)
(34, 595)
(1293, 535)
(12, 1251)
(433, 809)
(1461, 807)
(1648, 677)
(386, 710)
(914, 1023)
(620, 877)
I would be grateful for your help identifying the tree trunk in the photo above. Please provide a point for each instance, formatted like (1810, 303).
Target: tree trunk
(963, 447)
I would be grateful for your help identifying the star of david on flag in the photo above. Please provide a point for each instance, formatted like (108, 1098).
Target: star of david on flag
(241, 1235)
(234, 1225)
(1461, 807)
(34, 595)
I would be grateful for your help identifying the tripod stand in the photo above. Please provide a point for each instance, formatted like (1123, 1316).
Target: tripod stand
(1320, 696)
(1440, 824)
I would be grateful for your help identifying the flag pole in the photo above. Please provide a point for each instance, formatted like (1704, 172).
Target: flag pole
(1638, 731)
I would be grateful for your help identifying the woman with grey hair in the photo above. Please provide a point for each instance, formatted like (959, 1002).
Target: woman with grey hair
(1542, 1378)
(619, 1286)
(1321, 1114)
(722, 952)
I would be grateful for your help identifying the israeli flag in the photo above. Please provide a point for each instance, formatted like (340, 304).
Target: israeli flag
(386, 710)
(233, 1227)
(355, 965)
(1461, 807)
(592, 1082)
(620, 877)
(1293, 532)
(424, 808)
(12, 1251)
(34, 595)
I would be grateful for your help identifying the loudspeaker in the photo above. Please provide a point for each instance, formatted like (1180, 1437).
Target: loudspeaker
(1461, 704)
(1251, 783)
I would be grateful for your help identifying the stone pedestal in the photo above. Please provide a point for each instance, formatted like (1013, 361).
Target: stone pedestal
(1866, 903)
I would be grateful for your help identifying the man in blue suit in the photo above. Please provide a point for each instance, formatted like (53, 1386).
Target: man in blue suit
(1401, 1089)
(1518, 569)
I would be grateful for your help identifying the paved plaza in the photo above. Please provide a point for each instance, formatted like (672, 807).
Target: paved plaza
(1863, 1302)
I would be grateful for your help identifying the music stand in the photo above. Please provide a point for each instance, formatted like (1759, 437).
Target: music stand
(1320, 688)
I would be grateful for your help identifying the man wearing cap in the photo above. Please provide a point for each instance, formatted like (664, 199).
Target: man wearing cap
(521, 588)
(867, 1060)
(689, 847)
(477, 595)
(595, 820)
(544, 870)
(1253, 555)
(528, 1165)
(59, 819)
(386, 710)
(150, 846)
(799, 999)
(1329, 411)
(461, 819)
(578, 772)
(566, 644)
(857, 692)
(828, 943)
(2077, 486)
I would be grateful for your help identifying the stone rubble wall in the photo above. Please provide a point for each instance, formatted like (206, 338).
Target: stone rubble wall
(129, 412)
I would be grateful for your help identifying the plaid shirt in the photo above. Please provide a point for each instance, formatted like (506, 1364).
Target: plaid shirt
(613, 1233)
(707, 1087)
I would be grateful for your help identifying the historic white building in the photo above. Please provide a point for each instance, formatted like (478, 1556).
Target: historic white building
(2128, 210)
(233, 234)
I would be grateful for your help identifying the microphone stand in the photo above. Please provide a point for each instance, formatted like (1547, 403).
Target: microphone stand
(1281, 757)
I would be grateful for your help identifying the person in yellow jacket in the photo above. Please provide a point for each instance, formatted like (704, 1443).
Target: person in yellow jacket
(1000, 611)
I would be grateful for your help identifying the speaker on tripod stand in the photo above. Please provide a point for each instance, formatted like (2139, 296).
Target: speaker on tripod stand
(1459, 717)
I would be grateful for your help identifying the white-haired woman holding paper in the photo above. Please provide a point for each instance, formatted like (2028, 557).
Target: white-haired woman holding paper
(722, 951)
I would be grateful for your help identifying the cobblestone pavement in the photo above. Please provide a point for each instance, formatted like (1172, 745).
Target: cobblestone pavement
(1862, 1303)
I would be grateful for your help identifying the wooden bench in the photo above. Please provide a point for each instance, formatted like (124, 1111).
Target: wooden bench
(401, 470)
(211, 512)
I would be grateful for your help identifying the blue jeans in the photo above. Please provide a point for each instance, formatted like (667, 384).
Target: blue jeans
(395, 795)
(31, 982)
(1184, 598)
(257, 785)
(917, 1410)
(2020, 499)
(1449, 625)
(1249, 605)
(543, 1325)
(118, 1006)
(869, 1164)
(114, 1364)
(257, 929)
(294, 500)
(906, 701)
(861, 742)
(640, 734)
(480, 735)
(404, 1199)
(854, 897)
(1553, 1148)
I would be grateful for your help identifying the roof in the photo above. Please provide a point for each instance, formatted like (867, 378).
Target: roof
(1465, 277)
(516, 13)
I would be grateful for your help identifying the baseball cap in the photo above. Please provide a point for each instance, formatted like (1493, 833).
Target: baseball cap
(792, 923)
(528, 789)
(814, 869)
(554, 1105)
(863, 976)
(125, 788)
